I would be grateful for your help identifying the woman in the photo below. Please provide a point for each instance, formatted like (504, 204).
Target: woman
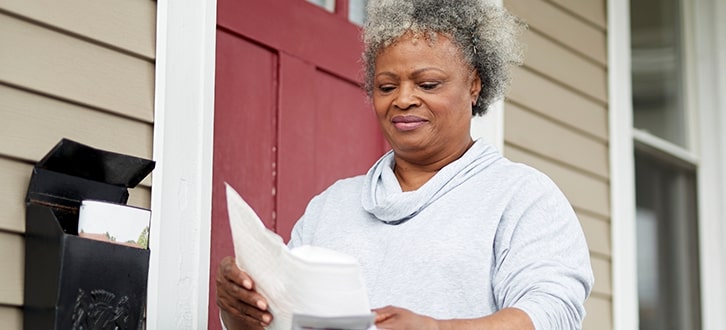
(449, 233)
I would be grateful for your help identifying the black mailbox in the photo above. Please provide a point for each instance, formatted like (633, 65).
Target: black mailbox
(73, 282)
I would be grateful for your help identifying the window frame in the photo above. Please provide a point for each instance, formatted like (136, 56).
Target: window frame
(705, 39)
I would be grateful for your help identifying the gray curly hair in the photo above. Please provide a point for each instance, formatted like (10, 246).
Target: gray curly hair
(485, 34)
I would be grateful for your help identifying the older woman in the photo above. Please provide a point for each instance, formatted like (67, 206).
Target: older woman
(446, 230)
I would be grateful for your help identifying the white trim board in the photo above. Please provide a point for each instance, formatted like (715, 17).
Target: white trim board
(622, 171)
(490, 127)
(181, 196)
(709, 63)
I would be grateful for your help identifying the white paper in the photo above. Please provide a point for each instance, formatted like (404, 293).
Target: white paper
(115, 223)
(306, 280)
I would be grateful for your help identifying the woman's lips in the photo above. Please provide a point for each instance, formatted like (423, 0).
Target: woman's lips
(408, 123)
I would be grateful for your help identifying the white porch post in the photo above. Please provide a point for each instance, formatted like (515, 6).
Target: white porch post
(182, 181)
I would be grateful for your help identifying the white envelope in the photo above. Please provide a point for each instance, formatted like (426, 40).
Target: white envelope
(114, 223)
(307, 280)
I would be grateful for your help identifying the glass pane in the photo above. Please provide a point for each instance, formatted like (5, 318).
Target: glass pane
(329, 5)
(657, 69)
(667, 247)
(357, 11)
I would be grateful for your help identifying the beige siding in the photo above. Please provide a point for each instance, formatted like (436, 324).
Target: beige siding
(45, 119)
(126, 26)
(585, 192)
(592, 11)
(14, 177)
(562, 27)
(566, 67)
(56, 64)
(539, 94)
(599, 312)
(549, 139)
(11, 276)
(556, 120)
(11, 318)
(77, 69)
(594, 226)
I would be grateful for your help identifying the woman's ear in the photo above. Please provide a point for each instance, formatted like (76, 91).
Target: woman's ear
(475, 87)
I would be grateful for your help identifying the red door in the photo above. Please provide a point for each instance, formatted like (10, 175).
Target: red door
(290, 117)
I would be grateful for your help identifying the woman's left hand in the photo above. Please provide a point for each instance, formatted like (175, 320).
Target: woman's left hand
(395, 318)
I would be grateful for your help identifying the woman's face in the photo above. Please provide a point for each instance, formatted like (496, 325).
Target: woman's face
(423, 93)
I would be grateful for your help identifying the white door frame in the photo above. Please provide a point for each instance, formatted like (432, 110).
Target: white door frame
(181, 194)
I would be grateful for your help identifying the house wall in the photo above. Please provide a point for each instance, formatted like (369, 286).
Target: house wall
(556, 119)
(78, 69)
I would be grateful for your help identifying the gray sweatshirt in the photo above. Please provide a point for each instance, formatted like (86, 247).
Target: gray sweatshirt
(483, 234)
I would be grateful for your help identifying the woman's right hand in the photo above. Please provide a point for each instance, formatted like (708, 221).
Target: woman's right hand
(241, 305)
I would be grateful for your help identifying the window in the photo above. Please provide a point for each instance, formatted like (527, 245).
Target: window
(657, 78)
(356, 9)
(667, 249)
(329, 5)
(665, 169)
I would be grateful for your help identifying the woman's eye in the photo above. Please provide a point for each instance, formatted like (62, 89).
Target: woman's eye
(386, 88)
(429, 85)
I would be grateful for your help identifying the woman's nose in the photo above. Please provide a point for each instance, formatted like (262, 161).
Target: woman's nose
(406, 97)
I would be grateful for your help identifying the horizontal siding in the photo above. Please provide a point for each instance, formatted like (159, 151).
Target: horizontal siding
(529, 131)
(140, 197)
(65, 67)
(14, 178)
(585, 192)
(565, 66)
(561, 104)
(32, 124)
(601, 267)
(11, 318)
(12, 256)
(551, 21)
(556, 120)
(599, 313)
(592, 11)
(594, 227)
(130, 26)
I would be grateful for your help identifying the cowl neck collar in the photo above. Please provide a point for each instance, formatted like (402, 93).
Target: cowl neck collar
(382, 195)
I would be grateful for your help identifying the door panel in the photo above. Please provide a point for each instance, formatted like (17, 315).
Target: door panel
(299, 28)
(290, 117)
(327, 132)
(244, 137)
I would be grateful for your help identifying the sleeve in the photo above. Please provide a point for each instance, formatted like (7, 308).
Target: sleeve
(303, 230)
(542, 262)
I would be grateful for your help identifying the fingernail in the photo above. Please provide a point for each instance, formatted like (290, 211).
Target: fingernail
(247, 284)
(266, 318)
(261, 304)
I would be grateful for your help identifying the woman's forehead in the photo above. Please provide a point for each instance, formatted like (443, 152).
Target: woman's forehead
(415, 46)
